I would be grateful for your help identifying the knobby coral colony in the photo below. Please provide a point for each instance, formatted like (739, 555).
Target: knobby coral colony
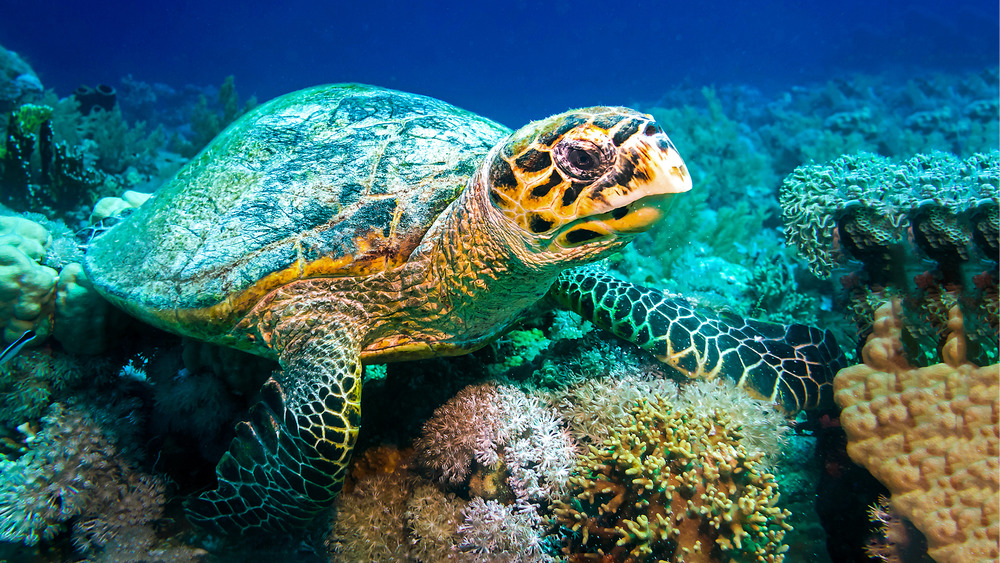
(672, 485)
(930, 435)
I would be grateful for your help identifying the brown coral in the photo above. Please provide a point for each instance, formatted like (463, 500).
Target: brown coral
(673, 485)
(930, 435)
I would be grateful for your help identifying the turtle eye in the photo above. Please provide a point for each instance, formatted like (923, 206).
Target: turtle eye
(581, 159)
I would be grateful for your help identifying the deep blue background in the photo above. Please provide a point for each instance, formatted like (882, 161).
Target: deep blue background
(512, 60)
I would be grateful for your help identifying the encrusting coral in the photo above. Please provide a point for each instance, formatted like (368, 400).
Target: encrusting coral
(930, 435)
(672, 485)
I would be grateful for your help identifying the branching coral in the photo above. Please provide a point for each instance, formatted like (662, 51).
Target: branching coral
(673, 485)
(930, 435)
(593, 407)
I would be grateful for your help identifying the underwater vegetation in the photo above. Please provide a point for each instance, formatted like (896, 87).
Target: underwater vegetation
(865, 205)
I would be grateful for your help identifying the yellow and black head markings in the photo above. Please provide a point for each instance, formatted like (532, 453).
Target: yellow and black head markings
(586, 176)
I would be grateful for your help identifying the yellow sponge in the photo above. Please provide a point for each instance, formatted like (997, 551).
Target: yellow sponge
(930, 435)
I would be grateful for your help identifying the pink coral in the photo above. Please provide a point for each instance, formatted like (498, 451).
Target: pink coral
(498, 428)
(462, 430)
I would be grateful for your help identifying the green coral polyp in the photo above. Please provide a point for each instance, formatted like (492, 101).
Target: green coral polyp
(675, 486)
(29, 117)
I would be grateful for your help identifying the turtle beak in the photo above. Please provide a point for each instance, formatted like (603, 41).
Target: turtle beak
(633, 196)
(659, 174)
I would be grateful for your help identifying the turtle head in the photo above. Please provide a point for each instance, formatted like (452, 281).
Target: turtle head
(583, 183)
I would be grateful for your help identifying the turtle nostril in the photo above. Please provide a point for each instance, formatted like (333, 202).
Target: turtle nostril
(651, 129)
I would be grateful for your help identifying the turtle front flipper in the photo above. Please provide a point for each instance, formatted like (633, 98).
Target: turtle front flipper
(288, 461)
(791, 365)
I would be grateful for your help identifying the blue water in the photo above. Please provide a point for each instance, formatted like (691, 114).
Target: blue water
(511, 61)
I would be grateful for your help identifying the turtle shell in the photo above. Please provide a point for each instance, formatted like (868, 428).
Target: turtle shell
(336, 180)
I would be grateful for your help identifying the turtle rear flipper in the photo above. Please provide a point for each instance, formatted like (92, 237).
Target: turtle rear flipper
(288, 462)
(790, 365)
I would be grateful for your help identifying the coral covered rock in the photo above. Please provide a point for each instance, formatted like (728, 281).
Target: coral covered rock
(18, 82)
(673, 485)
(930, 435)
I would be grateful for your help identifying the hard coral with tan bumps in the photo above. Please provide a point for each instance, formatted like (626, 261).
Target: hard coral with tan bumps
(930, 435)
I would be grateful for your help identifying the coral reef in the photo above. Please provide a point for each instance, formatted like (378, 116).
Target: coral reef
(207, 122)
(497, 532)
(37, 171)
(499, 430)
(930, 435)
(390, 514)
(925, 228)
(725, 158)
(31, 381)
(34, 295)
(672, 485)
(488, 466)
(18, 82)
(593, 408)
(370, 524)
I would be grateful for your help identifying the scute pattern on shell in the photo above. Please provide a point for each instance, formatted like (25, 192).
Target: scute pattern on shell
(332, 180)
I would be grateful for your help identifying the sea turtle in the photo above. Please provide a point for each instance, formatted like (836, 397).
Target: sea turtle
(348, 224)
